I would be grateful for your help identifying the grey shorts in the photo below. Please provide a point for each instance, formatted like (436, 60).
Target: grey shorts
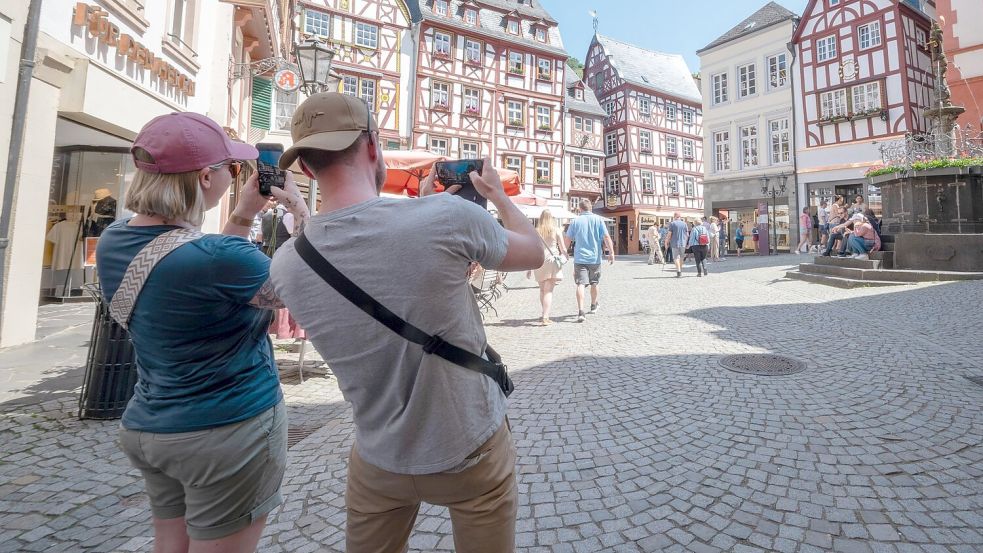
(586, 274)
(679, 252)
(220, 479)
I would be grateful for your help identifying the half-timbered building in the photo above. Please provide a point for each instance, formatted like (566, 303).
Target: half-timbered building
(583, 135)
(865, 77)
(963, 41)
(653, 136)
(373, 46)
(490, 83)
(747, 123)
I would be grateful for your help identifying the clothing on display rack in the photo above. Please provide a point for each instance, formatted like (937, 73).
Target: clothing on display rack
(101, 213)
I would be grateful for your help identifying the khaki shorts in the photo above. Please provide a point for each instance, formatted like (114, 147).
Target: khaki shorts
(220, 479)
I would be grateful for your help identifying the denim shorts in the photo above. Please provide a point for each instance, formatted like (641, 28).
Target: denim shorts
(219, 479)
(584, 274)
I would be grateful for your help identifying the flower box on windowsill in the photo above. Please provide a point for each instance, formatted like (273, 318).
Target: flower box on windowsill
(544, 76)
(544, 128)
(471, 112)
(833, 120)
(442, 55)
(688, 157)
(672, 155)
(544, 180)
(440, 107)
(516, 124)
(646, 150)
(516, 71)
(472, 61)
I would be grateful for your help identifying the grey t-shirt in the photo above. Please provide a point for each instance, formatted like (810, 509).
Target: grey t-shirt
(414, 413)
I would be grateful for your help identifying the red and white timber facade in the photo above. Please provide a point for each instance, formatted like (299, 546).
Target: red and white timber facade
(653, 136)
(583, 136)
(489, 83)
(373, 45)
(865, 77)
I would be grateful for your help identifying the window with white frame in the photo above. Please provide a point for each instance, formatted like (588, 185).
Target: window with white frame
(672, 185)
(286, 104)
(367, 92)
(781, 141)
(778, 71)
(688, 149)
(613, 184)
(349, 85)
(366, 36)
(578, 94)
(586, 164)
(867, 98)
(544, 171)
(472, 101)
(182, 26)
(644, 105)
(544, 119)
(438, 145)
(471, 17)
(749, 146)
(747, 80)
(690, 183)
(672, 146)
(645, 141)
(671, 112)
(688, 116)
(721, 151)
(594, 164)
(469, 150)
(513, 27)
(869, 35)
(440, 7)
(578, 164)
(514, 112)
(317, 23)
(514, 163)
(648, 181)
(540, 34)
(833, 104)
(611, 143)
(609, 108)
(440, 96)
(578, 123)
(515, 63)
(588, 125)
(544, 69)
(826, 48)
(719, 83)
(442, 44)
(472, 51)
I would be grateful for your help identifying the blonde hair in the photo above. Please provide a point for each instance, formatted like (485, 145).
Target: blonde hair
(547, 226)
(173, 197)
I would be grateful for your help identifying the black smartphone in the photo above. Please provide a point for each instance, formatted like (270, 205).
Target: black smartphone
(269, 174)
(458, 173)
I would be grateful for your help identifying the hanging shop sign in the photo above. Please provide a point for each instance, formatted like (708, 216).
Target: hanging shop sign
(96, 20)
(287, 80)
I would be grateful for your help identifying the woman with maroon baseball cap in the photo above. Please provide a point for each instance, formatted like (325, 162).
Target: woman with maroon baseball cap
(206, 425)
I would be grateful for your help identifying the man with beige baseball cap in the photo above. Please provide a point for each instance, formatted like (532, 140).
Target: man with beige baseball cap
(426, 429)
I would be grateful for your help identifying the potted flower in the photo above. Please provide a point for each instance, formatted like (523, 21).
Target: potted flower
(440, 105)
(471, 111)
(515, 123)
(515, 69)
(545, 127)
(544, 180)
(543, 75)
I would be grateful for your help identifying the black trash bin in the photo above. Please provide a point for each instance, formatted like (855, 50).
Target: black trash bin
(111, 369)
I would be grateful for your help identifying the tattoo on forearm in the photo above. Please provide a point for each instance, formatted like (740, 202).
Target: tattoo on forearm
(266, 298)
(299, 227)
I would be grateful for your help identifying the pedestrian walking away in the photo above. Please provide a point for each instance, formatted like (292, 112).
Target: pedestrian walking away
(655, 245)
(699, 241)
(206, 426)
(676, 239)
(805, 231)
(823, 216)
(426, 429)
(739, 238)
(591, 238)
(551, 273)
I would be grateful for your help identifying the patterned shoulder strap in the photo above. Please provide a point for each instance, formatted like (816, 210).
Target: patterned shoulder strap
(139, 269)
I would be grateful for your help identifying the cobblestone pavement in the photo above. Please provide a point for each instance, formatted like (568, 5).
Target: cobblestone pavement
(630, 435)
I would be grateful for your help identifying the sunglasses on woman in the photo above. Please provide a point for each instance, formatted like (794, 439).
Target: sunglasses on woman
(235, 167)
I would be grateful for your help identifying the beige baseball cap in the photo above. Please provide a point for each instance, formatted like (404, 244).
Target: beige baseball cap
(327, 121)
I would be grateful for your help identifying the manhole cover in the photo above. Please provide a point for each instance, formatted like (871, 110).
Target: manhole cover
(975, 380)
(298, 433)
(762, 364)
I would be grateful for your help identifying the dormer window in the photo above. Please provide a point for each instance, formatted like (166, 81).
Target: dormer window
(471, 17)
(513, 27)
(578, 94)
(540, 34)
(440, 7)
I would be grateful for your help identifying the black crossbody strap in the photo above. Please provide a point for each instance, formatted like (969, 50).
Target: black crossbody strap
(433, 345)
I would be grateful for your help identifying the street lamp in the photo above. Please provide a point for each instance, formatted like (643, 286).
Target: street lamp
(770, 191)
(314, 59)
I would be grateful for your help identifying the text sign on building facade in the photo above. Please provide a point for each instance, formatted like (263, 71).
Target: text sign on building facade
(96, 20)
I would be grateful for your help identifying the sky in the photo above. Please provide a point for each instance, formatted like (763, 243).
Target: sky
(671, 26)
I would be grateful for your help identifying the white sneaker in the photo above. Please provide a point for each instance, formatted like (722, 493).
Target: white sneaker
(863, 256)
(855, 256)
(797, 252)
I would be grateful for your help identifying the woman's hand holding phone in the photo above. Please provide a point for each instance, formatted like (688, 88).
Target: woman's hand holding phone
(291, 198)
(250, 201)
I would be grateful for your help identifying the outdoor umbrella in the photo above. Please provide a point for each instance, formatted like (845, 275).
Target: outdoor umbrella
(406, 168)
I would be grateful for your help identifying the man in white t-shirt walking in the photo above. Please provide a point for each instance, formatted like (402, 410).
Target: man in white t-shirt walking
(426, 430)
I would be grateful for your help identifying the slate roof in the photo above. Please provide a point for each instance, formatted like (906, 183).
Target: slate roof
(589, 104)
(491, 21)
(667, 73)
(771, 14)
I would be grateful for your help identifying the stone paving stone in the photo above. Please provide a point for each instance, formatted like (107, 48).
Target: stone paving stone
(628, 438)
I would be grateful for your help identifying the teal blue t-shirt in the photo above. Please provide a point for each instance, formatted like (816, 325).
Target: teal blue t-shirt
(588, 232)
(204, 356)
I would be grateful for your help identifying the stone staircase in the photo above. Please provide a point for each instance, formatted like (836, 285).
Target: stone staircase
(877, 271)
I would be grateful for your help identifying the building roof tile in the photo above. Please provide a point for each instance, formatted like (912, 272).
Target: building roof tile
(589, 104)
(666, 73)
(771, 14)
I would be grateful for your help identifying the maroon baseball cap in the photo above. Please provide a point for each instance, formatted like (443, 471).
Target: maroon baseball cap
(183, 142)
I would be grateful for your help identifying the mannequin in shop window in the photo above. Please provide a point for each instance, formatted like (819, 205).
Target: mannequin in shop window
(102, 213)
(66, 256)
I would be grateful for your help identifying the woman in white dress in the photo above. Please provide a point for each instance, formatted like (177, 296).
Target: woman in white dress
(549, 274)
